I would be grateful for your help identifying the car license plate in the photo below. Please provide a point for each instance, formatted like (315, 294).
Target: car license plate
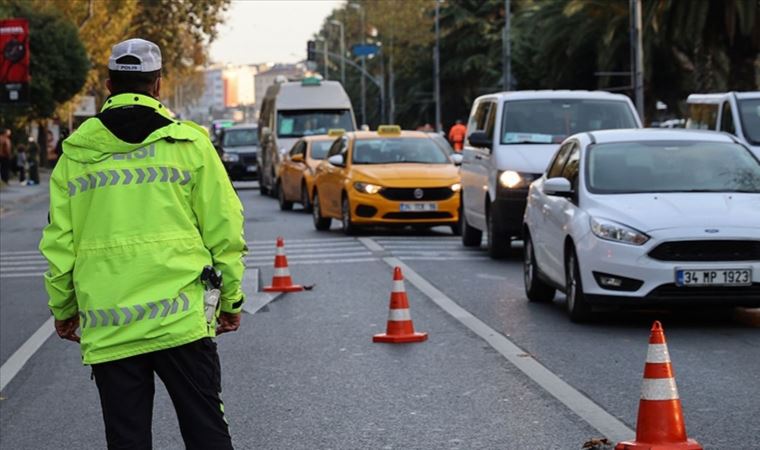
(713, 277)
(417, 207)
(250, 168)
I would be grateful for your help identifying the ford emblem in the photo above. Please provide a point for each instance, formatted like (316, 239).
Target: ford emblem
(711, 230)
(418, 193)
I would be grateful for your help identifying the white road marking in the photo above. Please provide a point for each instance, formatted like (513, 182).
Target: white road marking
(25, 252)
(307, 250)
(316, 261)
(22, 275)
(318, 241)
(4, 269)
(317, 255)
(370, 244)
(16, 362)
(21, 258)
(596, 416)
(444, 258)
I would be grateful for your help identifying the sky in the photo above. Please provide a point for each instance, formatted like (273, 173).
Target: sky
(260, 31)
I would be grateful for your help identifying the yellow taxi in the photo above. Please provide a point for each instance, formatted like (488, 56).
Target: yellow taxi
(295, 182)
(387, 177)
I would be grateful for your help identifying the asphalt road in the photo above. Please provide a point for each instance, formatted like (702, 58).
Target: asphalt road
(303, 371)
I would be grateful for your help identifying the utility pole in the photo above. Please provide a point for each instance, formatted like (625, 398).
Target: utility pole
(364, 61)
(437, 70)
(391, 88)
(637, 57)
(342, 51)
(507, 48)
(327, 69)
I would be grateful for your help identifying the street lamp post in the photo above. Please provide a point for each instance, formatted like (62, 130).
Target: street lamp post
(437, 71)
(342, 50)
(364, 62)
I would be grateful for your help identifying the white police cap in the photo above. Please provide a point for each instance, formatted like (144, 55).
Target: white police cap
(147, 53)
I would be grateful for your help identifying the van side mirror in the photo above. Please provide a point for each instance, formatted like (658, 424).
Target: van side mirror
(456, 158)
(481, 140)
(336, 160)
(558, 186)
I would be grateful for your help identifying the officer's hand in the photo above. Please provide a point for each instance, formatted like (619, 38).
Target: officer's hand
(228, 322)
(67, 328)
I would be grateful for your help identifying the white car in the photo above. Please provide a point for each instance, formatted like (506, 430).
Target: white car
(635, 217)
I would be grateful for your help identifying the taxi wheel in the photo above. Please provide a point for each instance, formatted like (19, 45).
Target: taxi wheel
(305, 198)
(284, 204)
(535, 288)
(577, 307)
(348, 226)
(320, 223)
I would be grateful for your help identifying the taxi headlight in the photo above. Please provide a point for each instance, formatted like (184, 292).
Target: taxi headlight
(367, 188)
(456, 187)
(616, 232)
(230, 157)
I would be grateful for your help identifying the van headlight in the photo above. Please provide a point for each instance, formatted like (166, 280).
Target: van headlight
(613, 231)
(511, 179)
(367, 188)
(230, 157)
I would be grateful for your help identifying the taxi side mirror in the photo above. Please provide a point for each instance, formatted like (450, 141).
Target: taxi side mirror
(297, 158)
(336, 160)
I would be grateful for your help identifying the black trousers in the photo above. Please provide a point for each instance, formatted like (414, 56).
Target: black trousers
(5, 169)
(192, 376)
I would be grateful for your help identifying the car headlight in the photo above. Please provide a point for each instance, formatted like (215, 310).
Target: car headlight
(367, 188)
(613, 231)
(456, 187)
(230, 157)
(511, 179)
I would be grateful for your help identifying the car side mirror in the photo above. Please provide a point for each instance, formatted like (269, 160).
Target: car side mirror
(558, 186)
(336, 160)
(481, 140)
(297, 158)
(456, 158)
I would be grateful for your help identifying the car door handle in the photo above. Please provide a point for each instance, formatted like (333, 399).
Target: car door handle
(478, 157)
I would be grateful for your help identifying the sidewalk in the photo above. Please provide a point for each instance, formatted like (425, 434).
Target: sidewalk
(13, 194)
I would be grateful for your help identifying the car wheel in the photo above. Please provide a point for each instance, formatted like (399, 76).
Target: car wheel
(305, 198)
(471, 237)
(498, 243)
(320, 223)
(348, 226)
(284, 204)
(262, 189)
(577, 307)
(535, 288)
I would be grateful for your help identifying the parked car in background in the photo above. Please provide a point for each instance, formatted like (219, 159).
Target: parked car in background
(640, 217)
(736, 113)
(388, 177)
(238, 146)
(217, 126)
(296, 180)
(292, 110)
(511, 139)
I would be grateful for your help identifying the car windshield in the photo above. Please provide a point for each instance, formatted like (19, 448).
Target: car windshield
(319, 149)
(239, 138)
(398, 150)
(750, 113)
(292, 124)
(550, 121)
(638, 167)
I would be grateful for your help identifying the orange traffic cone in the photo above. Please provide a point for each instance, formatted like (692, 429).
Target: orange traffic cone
(281, 281)
(660, 425)
(400, 328)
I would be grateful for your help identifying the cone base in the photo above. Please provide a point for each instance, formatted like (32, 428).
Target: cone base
(689, 444)
(291, 288)
(400, 339)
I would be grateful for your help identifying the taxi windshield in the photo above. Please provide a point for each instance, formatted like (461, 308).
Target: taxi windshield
(640, 167)
(552, 120)
(398, 150)
(750, 114)
(319, 149)
(292, 124)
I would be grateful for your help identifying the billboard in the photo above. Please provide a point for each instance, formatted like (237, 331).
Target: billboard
(14, 61)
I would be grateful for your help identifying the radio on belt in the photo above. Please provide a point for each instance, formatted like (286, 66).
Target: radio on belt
(212, 280)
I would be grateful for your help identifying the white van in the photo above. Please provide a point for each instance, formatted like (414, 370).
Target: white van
(511, 137)
(292, 110)
(736, 113)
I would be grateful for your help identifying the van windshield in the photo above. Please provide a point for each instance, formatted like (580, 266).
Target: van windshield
(550, 121)
(750, 112)
(294, 124)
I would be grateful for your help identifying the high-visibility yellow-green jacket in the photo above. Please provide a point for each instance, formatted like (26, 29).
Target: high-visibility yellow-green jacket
(131, 227)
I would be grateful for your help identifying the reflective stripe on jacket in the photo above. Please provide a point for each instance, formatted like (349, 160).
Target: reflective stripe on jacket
(131, 227)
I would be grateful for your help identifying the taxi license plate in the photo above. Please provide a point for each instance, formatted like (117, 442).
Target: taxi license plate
(250, 168)
(713, 277)
(415, 207)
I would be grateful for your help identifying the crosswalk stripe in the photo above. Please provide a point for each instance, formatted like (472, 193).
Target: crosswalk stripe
(26, 252)
(21, 258)
(315, 255)
(22, 269)
(22, 275)
(288, 242)
(442, 258)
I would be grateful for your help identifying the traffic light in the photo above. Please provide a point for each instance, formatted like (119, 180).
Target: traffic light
(311, 51)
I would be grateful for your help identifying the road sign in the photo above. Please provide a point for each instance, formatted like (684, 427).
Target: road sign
(364, 49)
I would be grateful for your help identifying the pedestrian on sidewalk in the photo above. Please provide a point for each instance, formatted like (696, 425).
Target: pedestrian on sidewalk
(141, 204)
(21, 163)
(457, 134)
(5, 155)
(33, 160)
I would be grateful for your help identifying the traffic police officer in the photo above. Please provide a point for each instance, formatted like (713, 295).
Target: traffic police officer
(139, 205)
